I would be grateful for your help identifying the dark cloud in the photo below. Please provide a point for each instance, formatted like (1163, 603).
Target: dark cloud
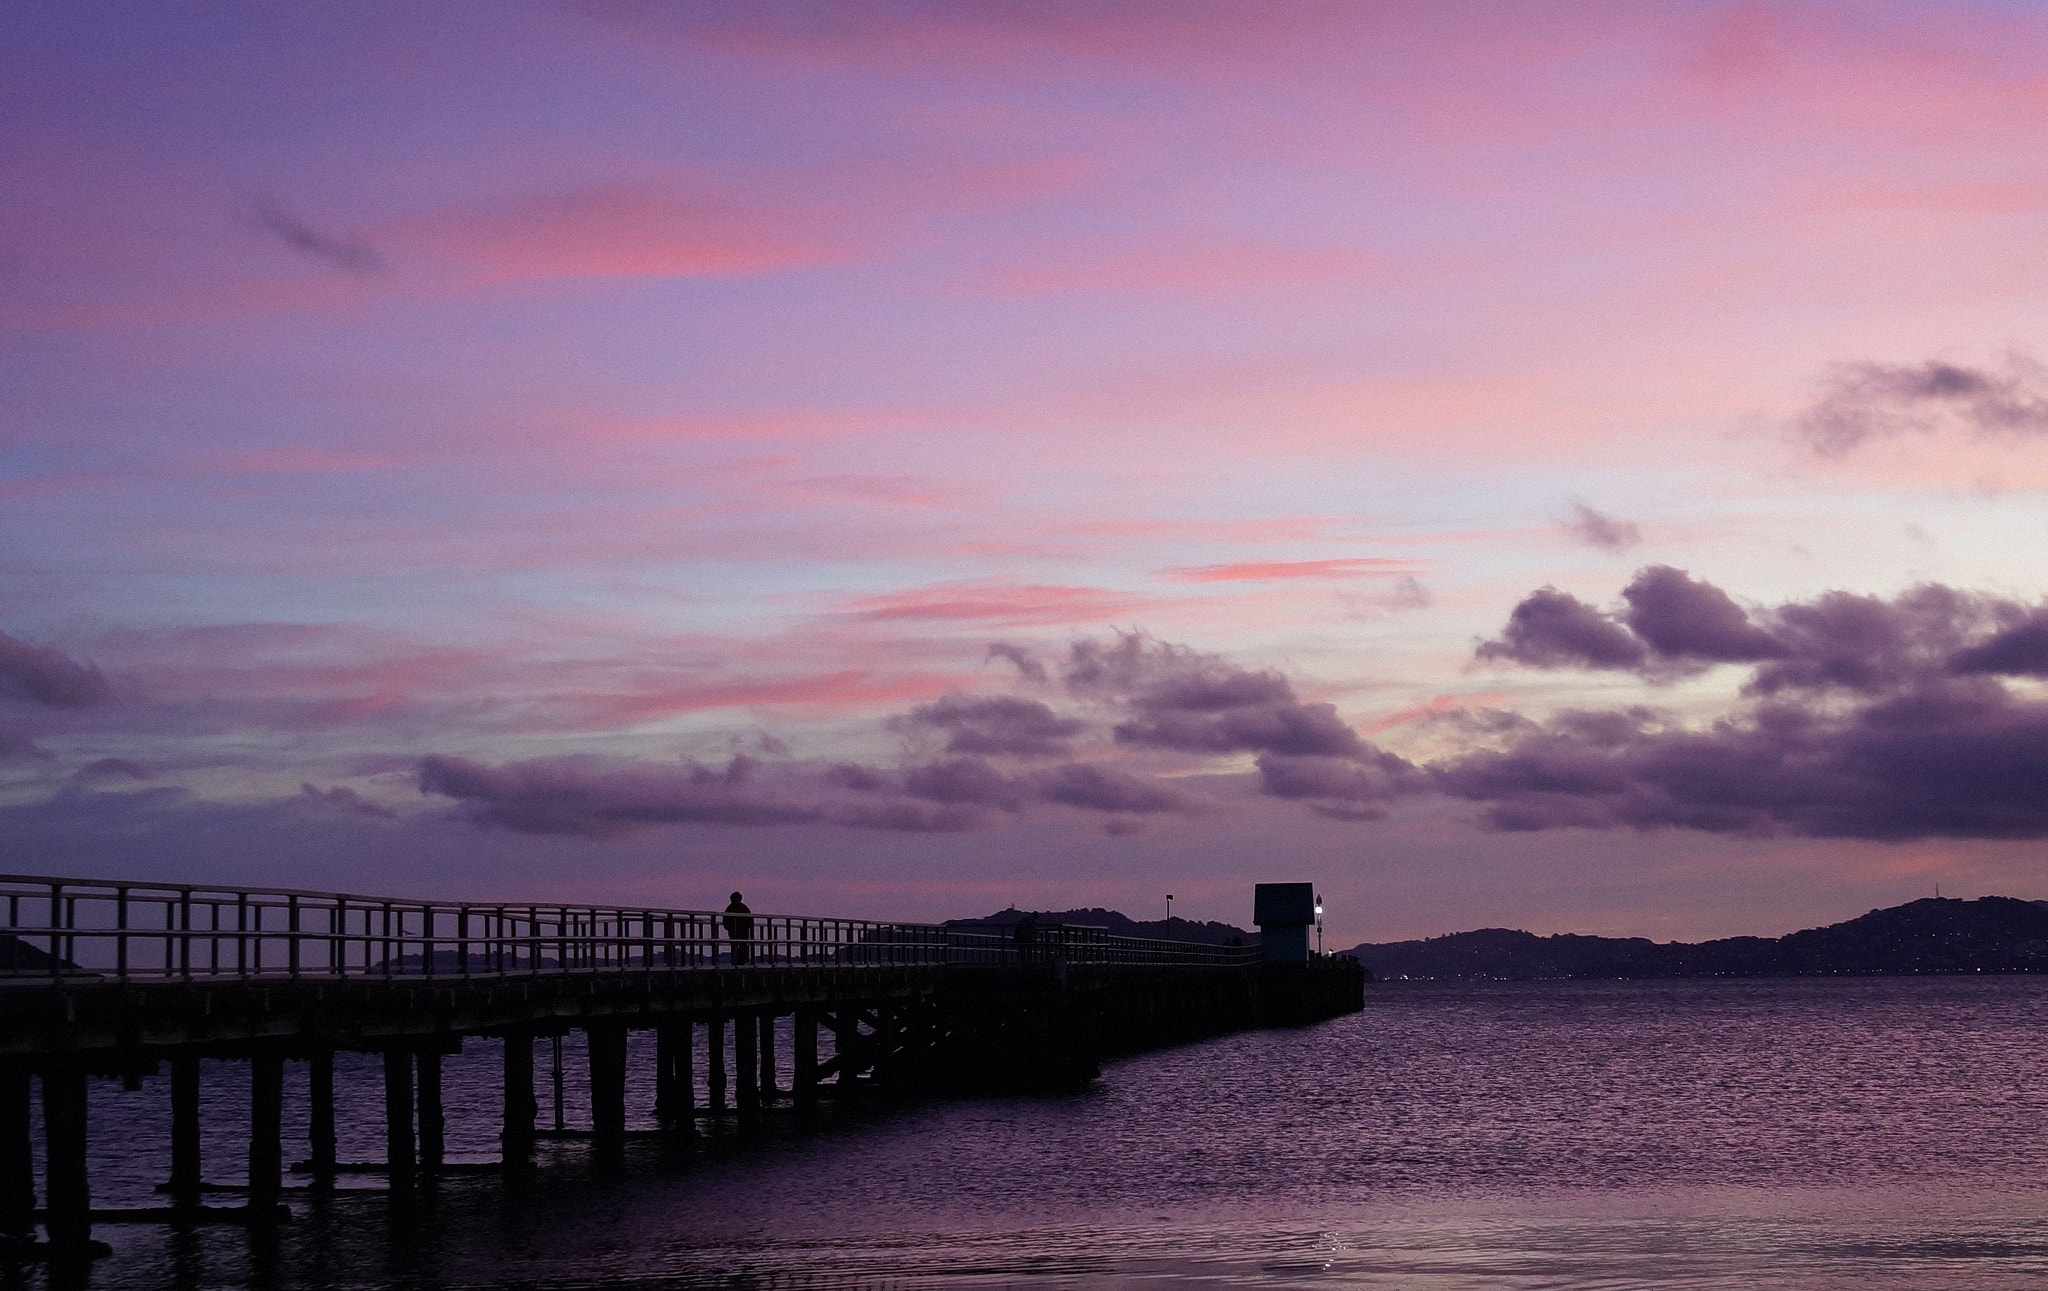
(1685, 620)
(2019, 651)
(997, 726)
(1094, 788)
(581, 798)
(111, 769)
(15, 746)
(1285, 727)
(350, 255)
(966, 781)
(343, 800)
(1864, 718)
(43, 676)
(1553, 629)
(1350, 788)
(591, 799)
(1024, 661)
(1860, 402)
(1603, 531)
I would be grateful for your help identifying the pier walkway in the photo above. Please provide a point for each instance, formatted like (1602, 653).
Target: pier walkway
(113, 980)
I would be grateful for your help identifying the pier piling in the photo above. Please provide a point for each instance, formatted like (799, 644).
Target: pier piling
(66, 1185)
(266, 1134)
(185, 1177)
(320, 1115)
(516, 1138)
(398, 1140)
(746, 1064)
(714, 1062)
(17, 1158)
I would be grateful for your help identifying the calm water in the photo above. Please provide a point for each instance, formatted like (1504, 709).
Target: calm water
(1858, 1133)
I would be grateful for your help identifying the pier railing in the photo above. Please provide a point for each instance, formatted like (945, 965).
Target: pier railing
(66, 930)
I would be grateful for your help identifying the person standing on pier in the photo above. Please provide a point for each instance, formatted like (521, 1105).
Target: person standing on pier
(739, 930)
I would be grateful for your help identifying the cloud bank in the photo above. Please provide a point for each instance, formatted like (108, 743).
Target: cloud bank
(1861, 717)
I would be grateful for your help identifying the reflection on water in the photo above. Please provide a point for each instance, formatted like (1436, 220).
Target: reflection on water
(1815, 1134)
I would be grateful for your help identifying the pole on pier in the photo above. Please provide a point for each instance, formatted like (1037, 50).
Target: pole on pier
(606, 1046)
(770, 1090)
(17, 1159)
(746, 1034)
(516, 1139)
(672, 1092)
(714, 1064)
(433, 1120)
(684, 1077)
(266, 1134)
(184, 1188)
(398, 1141)
(320, 1115)
(804, 1082)
(65, 1184)
(558, 1084)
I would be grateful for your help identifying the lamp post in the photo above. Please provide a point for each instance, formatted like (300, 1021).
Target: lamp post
(1169, 905)
(1319, 925)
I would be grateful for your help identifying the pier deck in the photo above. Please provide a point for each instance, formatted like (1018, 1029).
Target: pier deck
(115, 979)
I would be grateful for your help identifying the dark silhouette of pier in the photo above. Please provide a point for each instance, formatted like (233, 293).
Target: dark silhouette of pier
(112, 980)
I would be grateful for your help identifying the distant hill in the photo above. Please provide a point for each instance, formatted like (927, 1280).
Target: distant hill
(1121, 925)
(1932, 935)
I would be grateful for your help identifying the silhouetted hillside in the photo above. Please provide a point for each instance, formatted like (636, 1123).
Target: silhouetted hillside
(1988, 935)
(1211, 933)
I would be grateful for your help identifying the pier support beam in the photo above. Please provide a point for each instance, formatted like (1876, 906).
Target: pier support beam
(398, 1141)
(320, 1115)
(607, 1049)
(714, 1063)
(185, 1179)
(804, 1056)
(746, 1033)
(266, 1135)
(433, 1120)
(770, 1089)
(66, 1185)
(17, 1159)
(516, 1138)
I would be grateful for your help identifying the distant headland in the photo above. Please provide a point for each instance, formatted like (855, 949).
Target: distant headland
(1932, 935)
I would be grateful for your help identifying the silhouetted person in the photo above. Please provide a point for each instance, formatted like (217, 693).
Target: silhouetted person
(739, 930)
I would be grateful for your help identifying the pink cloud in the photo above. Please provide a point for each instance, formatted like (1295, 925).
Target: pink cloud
(996, 604)
(618, 231)
(1198, 268)
(846, 690)
(1262, 571)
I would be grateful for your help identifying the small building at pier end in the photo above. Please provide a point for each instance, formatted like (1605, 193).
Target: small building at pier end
(1284, 912)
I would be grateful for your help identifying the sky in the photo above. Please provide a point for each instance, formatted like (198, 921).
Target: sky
(1566, 466)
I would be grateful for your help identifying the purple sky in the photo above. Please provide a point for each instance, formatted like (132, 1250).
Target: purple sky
(1571, 466)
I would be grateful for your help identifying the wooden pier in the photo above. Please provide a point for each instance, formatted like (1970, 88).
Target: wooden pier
(113, 980)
